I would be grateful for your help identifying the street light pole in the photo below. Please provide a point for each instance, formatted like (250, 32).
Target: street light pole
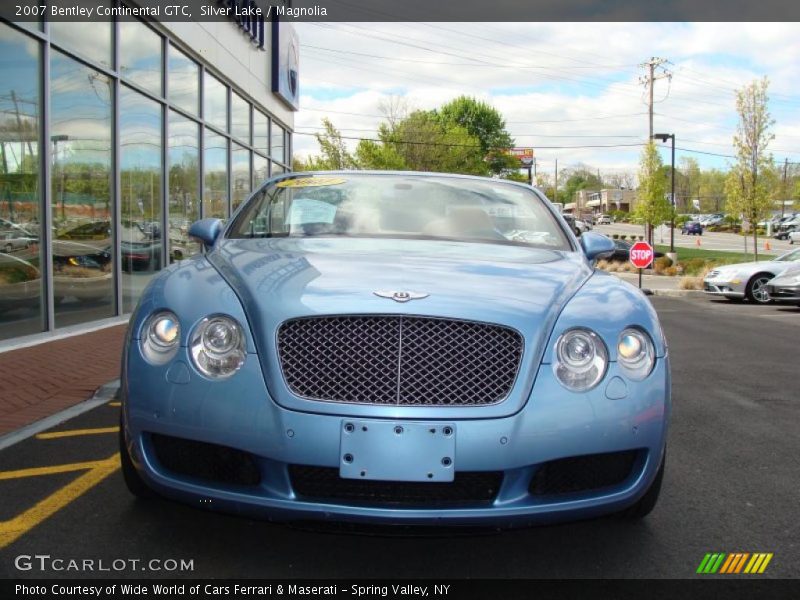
(664, 137)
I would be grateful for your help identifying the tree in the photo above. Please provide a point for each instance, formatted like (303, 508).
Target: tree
(748, 184)
(334, 155)
(687, 182)
(483, 122)
(652, 206)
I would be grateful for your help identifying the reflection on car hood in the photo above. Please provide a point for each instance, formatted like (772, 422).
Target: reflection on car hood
(281, 278)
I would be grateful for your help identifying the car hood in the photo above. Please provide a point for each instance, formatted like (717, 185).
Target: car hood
(282, 278)
(750, 268)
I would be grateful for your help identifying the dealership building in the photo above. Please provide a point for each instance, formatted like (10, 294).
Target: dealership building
(115, 136)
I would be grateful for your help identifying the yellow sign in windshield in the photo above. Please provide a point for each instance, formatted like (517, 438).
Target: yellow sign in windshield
(310, 182)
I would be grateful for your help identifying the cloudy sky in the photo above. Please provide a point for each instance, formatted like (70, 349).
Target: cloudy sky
(561, 87)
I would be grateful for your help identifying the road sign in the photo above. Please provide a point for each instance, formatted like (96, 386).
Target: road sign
(641, 255)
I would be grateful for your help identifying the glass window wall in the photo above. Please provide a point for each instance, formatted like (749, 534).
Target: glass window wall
(141, 238)
(21, 302)
(140, 50)
(215, 177)
(184, 81)
(184, 185)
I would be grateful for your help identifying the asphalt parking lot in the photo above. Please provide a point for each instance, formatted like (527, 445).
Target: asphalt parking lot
(731, 485)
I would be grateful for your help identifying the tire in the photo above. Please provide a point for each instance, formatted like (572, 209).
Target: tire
(755, 291)
(645, 505)
(9, 248)
(133, 481)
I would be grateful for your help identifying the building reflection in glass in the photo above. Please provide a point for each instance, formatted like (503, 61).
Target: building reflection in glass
(21, 303)
(184, 185)
(81, 206)
(140, 193)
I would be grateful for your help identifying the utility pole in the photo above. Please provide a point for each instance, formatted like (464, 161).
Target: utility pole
(649, 81)
(783, 198)
(555, 185)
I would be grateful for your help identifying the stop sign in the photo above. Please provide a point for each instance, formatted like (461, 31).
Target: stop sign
(641, 255)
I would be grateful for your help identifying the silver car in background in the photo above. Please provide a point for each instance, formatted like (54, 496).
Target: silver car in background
(786, 288)
(749, 280)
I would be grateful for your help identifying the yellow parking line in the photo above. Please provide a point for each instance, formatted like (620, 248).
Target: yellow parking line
(35, 472)
(13, 529)
(115, 403)
(74, 432)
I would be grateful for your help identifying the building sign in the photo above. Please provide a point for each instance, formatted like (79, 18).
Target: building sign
(286, 63)
(525, 155)
(249, 18)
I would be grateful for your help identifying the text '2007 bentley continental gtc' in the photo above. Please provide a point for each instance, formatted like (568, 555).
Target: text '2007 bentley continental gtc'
(398, 348)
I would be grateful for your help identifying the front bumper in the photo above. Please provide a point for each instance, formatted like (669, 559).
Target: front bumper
(554, 424)
(784, 293)
(724, 286)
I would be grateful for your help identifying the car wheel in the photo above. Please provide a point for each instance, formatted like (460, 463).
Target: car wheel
(645, 505)
(9, 248)
(757, 288)
(133, 481)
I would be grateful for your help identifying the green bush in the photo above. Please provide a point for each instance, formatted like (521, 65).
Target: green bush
(662, 263)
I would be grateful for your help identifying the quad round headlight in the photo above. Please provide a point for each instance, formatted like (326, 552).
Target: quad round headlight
(160, 337)
(635, 353)
(581, 359)
(217, 347)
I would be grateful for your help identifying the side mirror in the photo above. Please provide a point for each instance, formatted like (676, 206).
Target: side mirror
(596, 245)
(206, 231)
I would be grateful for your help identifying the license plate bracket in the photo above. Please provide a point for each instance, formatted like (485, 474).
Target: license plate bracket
(397, 451)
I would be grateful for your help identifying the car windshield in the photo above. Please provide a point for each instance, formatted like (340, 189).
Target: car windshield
(793, 256)
(400, 206)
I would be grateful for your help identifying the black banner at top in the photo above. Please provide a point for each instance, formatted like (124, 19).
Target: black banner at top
(405, 10)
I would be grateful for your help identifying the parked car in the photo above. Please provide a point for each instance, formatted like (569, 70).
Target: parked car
(712, 220)
(786, 287)
(269, 375)
(582, 226)
(749, 280)
(692, 228)
(622, 252)
(604, 220)
(140, 255)
(786, 227)
(571, 221)
(13, 237)
(794, 236)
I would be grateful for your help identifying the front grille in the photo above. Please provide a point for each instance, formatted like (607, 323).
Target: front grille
(393, 359)
(583, 473)
(324, 483)
(205, 461)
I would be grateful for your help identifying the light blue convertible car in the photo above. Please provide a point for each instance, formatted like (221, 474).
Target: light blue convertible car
(396, 348)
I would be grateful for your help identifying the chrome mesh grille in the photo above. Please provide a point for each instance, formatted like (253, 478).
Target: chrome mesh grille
(394, 359)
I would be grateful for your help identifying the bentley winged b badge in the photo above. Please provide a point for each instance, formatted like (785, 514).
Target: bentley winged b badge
(400, 296)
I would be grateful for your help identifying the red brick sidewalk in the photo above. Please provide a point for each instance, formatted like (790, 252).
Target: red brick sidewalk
(39, 381)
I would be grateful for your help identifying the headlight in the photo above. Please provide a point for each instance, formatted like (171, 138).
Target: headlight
(160, 338)
(635, 354)
(217, 347)
(581, 359)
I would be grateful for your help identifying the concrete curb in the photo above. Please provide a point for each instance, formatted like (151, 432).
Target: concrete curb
(679, 293)
(102, 395)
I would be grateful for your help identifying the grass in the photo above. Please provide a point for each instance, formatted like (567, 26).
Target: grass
(713, 255)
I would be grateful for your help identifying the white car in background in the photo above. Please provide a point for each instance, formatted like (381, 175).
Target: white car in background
(749, 280)
(794, 236)
(604, 220)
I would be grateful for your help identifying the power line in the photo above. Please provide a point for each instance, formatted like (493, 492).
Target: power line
(451, 145)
